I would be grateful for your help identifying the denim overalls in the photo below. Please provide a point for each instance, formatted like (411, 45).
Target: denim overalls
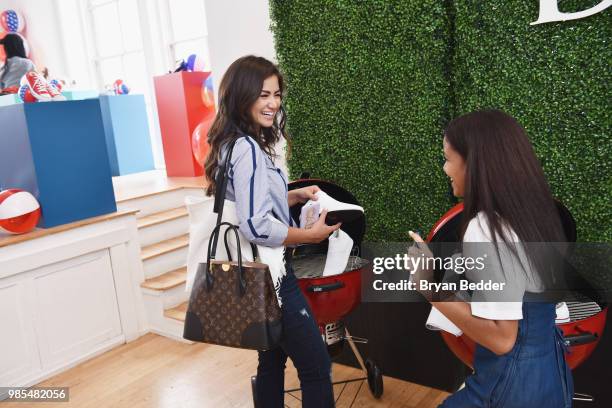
(532, 374)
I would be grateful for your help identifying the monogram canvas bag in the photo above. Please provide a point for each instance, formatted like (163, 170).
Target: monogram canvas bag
(233, 302)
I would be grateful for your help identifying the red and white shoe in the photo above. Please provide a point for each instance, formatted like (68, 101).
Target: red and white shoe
(56, 95)
(38, 86)
(25, 94)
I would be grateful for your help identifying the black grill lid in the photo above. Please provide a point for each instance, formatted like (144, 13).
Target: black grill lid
(449, 228)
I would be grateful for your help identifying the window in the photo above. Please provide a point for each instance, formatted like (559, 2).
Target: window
(118, 43)
(132, 40)
(187, 32)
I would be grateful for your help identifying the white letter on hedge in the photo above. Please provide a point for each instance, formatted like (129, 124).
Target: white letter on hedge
(549, 12)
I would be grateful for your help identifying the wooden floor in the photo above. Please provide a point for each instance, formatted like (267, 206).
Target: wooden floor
(154, 371)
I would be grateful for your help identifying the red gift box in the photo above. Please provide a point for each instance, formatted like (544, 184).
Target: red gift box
(183, 102)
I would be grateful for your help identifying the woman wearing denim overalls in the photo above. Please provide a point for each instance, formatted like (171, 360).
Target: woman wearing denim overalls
(519, 358)
(250, 112)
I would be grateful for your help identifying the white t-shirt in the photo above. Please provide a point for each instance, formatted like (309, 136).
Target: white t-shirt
(513, 271)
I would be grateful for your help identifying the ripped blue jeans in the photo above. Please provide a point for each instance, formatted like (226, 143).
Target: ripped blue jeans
(302, 342)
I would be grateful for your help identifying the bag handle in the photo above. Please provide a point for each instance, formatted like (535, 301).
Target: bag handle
(240, 272)
(220, 190)
(229, 254)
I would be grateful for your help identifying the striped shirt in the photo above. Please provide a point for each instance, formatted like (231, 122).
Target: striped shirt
(258, 188)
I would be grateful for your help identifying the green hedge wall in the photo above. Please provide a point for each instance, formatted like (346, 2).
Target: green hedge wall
(555, 79)
(371, 86)
(367, 97)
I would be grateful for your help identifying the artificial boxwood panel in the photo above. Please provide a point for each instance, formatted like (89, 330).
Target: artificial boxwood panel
(555, 79)
(372, 84)
(367, 98)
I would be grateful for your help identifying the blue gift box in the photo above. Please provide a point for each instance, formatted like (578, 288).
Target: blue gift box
(57, 151)
(127, 133)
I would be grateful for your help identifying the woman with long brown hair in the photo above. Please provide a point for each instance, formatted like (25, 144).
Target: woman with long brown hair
(519, 359)
(251, 116)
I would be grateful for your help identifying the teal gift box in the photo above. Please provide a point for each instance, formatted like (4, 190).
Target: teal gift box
(80, 95)
(127, 133)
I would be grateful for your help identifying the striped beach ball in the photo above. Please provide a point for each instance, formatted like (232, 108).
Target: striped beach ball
(19, 211)
(120, 88)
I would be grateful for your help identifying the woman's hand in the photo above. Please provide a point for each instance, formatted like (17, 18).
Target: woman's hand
(321, 231)
(422, 273)
(315, 234)
(301, 195)
(499, 336)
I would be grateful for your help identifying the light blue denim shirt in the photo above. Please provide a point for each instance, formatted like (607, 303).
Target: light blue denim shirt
(12, 71)
(258, 188)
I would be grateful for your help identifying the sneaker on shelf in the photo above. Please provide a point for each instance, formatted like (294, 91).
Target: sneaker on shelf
(38, 86)
(56, 95)
(25, 94)
(57, 84)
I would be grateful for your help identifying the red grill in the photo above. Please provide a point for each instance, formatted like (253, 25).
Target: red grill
(332, 298)
(587, 319)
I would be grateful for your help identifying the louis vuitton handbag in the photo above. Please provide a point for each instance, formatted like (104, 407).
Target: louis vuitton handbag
(233, 302)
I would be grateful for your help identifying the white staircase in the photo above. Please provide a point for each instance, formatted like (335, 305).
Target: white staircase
(163, 232)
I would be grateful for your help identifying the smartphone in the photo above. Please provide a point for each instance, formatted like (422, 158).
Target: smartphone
(309, 214)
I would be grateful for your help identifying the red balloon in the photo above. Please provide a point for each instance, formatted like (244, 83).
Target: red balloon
(199, 145)
(207, 97)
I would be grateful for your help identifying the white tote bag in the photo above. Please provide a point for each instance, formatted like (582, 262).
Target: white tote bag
(202, 221)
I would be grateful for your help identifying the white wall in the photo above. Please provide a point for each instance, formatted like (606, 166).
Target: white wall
(237, 28)
(79, 70)
(42, 33)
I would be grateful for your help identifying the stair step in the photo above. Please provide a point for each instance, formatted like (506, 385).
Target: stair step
(163, 247)
(161, 201)
(166, 281)
(162, 216)
(177, 313)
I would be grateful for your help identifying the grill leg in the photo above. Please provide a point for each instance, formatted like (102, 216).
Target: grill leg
(254, 391)
(355, 350)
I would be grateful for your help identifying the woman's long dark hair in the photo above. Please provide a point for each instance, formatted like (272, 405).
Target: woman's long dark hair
(505, 181)
(13, 46)
(240, 87)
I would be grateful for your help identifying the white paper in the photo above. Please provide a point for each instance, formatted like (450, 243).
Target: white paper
(338, 252)
(437, 321)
